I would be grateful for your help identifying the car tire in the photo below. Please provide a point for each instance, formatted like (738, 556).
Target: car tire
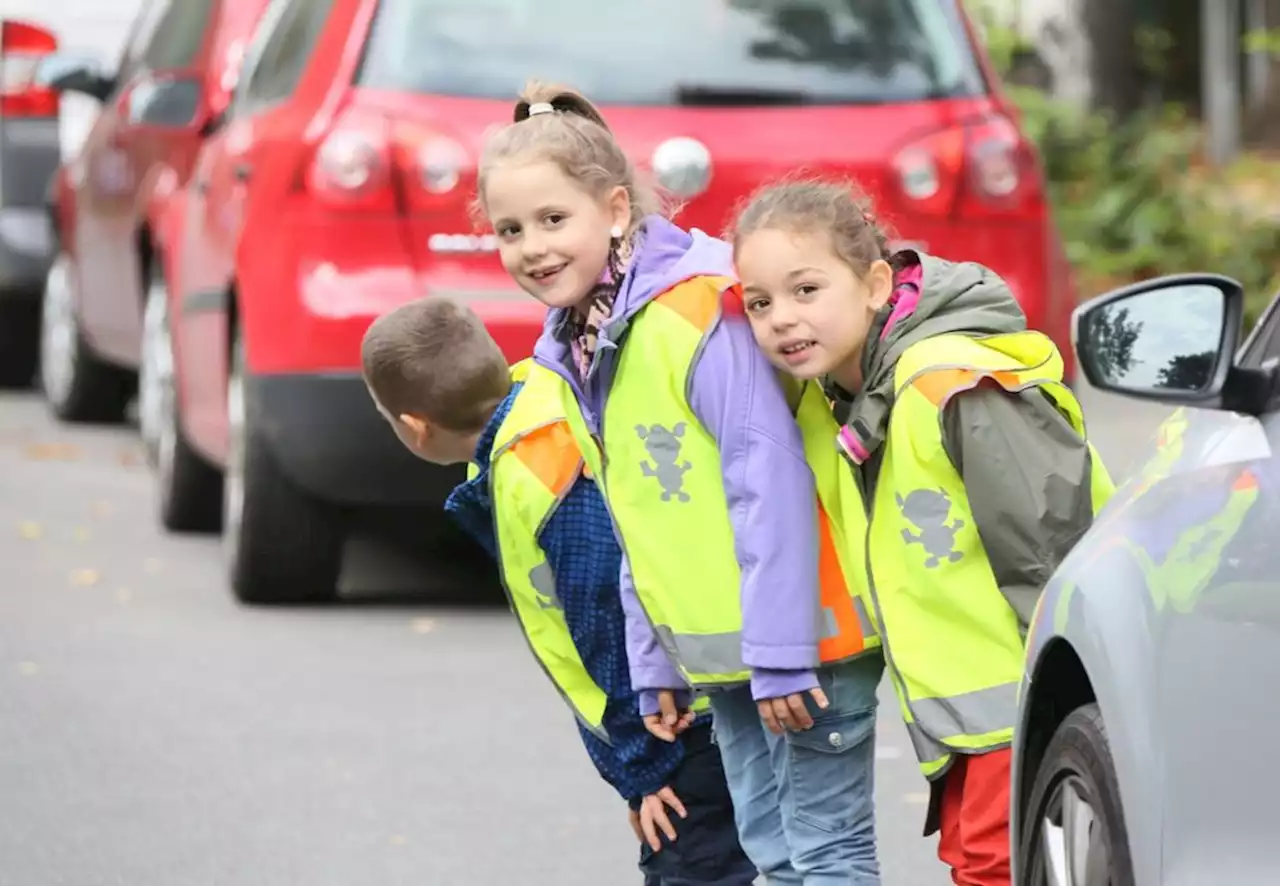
(1074, 832)
(189, 487)
(78, 386)
(282, 545)
(19, 342)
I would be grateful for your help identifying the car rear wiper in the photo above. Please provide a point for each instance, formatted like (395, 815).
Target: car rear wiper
(733, 97)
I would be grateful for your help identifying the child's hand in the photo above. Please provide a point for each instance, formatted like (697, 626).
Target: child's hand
(780, 714)
(670, 721)
(653, 815)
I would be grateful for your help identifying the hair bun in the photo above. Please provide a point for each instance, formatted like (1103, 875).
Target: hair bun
(536, 95)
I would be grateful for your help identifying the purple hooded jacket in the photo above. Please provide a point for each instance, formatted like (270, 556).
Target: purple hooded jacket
(770, 488)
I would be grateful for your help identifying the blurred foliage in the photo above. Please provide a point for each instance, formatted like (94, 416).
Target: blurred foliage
(1133, 197)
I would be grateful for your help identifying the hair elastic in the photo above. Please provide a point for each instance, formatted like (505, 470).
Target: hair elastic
(541, 108)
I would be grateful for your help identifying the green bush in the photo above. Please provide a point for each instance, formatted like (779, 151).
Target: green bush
(1131, 197)
(1133, 202)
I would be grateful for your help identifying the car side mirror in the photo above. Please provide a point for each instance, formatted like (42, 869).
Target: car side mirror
(164, 100)
(72, 73)
(1172, 339)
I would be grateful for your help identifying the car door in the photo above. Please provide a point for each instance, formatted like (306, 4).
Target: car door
(1220, 654)
(120, 151)
(274, 61)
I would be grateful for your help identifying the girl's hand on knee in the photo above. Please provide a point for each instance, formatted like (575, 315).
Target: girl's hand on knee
(790, 712)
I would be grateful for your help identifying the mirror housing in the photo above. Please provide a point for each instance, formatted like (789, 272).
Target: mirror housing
(73, 73)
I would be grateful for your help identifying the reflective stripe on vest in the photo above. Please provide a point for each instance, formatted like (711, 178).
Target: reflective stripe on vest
(922, 536)
(663, 482)
(534, 465)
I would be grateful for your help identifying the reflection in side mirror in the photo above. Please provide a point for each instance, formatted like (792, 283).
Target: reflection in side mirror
(1171, 339)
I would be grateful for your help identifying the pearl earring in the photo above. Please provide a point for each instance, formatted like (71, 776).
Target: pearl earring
(616, 232)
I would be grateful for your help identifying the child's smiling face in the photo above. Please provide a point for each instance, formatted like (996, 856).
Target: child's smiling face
(809, 310)
(553, 235)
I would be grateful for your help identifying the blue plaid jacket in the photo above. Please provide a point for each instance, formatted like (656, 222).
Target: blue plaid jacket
(585, 558)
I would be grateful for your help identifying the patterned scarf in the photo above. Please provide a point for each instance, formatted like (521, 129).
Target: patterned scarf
(584, 331)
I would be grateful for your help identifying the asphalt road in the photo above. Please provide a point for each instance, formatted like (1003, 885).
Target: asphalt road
(154, 733)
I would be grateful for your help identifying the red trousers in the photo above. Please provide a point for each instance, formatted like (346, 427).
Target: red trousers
(974, 818)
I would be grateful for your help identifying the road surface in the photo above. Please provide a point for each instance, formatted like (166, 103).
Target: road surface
(154, 733)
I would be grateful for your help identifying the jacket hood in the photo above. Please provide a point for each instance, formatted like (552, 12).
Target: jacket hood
(955, 297)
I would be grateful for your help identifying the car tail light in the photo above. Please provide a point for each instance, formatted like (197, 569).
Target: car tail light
(22, 46)
(370, 163)
(981, 167)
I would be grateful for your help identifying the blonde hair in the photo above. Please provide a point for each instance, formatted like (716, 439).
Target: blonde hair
(837, 208)
(575, 137)
(433, 358)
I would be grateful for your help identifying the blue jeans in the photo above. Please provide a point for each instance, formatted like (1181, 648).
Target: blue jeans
(804, 802)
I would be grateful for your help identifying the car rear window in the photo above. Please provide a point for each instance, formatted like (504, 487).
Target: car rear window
(676, 52)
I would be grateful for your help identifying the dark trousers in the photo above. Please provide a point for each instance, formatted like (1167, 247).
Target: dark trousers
(706, 849)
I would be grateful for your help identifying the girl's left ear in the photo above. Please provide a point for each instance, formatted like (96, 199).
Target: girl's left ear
(619, 202)
(880, 283)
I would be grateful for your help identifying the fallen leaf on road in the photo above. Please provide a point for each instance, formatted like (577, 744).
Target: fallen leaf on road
(51, 452)
(101, 508)
(28, 668)
(129, 458)
(30, 529)
(917, 799)
(124, 596)
(84, 578)
(423, 625)
(81, 534)
(399, 840)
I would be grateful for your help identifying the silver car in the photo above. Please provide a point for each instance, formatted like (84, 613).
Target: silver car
(1152, 683)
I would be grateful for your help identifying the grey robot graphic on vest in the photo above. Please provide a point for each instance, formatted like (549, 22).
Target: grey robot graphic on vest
(544, 585)
(663, 447)
(928, 509)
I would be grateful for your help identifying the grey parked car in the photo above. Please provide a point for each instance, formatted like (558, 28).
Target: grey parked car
(29, 155)
(1150, 695)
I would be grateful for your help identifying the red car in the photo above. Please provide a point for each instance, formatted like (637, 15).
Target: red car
(174, 74)
(29, 153)
(338, 184)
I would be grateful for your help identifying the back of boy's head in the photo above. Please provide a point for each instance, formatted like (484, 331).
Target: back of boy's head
(433, 358)
(806, 206)
(558, 124)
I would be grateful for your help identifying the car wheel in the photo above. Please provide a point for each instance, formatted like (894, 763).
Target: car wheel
(282, 545)
(1075, 832)
(190, 489)
(19, 342)
(78, 386)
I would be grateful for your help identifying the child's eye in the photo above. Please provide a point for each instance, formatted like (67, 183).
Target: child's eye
(755, 305)
(555, 218)
(506, 232)
(806, 289)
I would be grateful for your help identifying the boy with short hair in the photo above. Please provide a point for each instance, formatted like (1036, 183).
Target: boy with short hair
(443, 384)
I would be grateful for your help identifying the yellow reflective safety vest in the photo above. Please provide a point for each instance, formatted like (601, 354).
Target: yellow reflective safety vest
(953, 648)
(661, 475)
(535, 463)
